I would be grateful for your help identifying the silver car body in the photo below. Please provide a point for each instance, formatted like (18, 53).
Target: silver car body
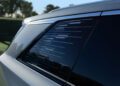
(15, 73)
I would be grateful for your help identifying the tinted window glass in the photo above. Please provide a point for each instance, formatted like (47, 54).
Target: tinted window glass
(58, 49)
(100, 60)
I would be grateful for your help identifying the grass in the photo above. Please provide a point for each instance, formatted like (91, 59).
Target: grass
(3, 46)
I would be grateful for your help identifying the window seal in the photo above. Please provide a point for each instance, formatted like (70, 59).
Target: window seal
(108, 13)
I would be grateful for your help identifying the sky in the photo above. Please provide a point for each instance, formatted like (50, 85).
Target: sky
(39, 5)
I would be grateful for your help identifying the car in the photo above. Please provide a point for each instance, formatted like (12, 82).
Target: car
(74, 46)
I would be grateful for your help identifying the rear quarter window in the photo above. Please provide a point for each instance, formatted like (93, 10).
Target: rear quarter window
(58, 49)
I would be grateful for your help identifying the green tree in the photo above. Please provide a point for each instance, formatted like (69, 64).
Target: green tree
(34, 13)
(2, 13)
(10, 6)
(50, 7)
(4, 5)
(18, 16)
(26, 8)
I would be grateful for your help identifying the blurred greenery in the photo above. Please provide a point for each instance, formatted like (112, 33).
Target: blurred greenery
(3, 46)
(8, 29)
(7, 18)
(21, 8)
(11, 7)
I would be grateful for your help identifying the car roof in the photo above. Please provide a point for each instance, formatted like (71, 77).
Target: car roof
(84, 8)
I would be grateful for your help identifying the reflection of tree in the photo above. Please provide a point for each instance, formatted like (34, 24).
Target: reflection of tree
(45, 63)
(56, 68)
(50, 7)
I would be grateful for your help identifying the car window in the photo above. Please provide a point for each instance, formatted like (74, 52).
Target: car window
(99, 64)
(58, 49)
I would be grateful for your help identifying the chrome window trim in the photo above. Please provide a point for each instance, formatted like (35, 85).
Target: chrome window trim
(52, 20)
(114, 12)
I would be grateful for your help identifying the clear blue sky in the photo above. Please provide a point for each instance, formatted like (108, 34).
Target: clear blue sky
(39, 5)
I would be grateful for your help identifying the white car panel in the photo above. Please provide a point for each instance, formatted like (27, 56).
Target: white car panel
(21, 74)
(24, 38)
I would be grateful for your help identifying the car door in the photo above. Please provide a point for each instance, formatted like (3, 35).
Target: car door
(47, 59)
